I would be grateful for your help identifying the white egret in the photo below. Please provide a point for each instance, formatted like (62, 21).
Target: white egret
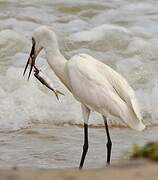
(97, 86)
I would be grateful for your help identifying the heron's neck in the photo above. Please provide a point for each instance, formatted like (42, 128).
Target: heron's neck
(58, 64)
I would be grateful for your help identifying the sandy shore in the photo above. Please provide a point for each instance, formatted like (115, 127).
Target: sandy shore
(141, 171)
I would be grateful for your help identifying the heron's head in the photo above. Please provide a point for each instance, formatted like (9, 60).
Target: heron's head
(42, 38)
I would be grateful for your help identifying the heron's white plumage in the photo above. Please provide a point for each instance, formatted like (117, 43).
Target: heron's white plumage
(103, 90)
(97, 86)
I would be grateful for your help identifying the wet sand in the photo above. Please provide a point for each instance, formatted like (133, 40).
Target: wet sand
(141, 171)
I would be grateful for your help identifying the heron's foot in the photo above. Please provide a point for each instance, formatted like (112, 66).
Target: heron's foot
(107, 164)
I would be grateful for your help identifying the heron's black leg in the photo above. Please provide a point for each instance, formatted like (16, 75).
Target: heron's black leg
(109, 143)
(85, 146)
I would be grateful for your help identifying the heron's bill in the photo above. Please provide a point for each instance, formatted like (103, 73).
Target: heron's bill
(31, 59)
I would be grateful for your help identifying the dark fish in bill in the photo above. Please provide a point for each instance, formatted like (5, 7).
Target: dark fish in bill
(46, 81)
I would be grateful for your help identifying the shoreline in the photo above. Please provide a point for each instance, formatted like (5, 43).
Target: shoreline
(129, 170)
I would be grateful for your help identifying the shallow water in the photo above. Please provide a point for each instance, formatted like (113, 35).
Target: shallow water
(46, 146)
(122, 34)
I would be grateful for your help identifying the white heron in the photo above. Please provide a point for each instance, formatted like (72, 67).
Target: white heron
(95, 85)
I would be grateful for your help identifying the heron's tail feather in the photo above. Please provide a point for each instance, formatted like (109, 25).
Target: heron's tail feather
(134, 123)
(140, 126)
(133, 120)
(134, 115)
(135, 107)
